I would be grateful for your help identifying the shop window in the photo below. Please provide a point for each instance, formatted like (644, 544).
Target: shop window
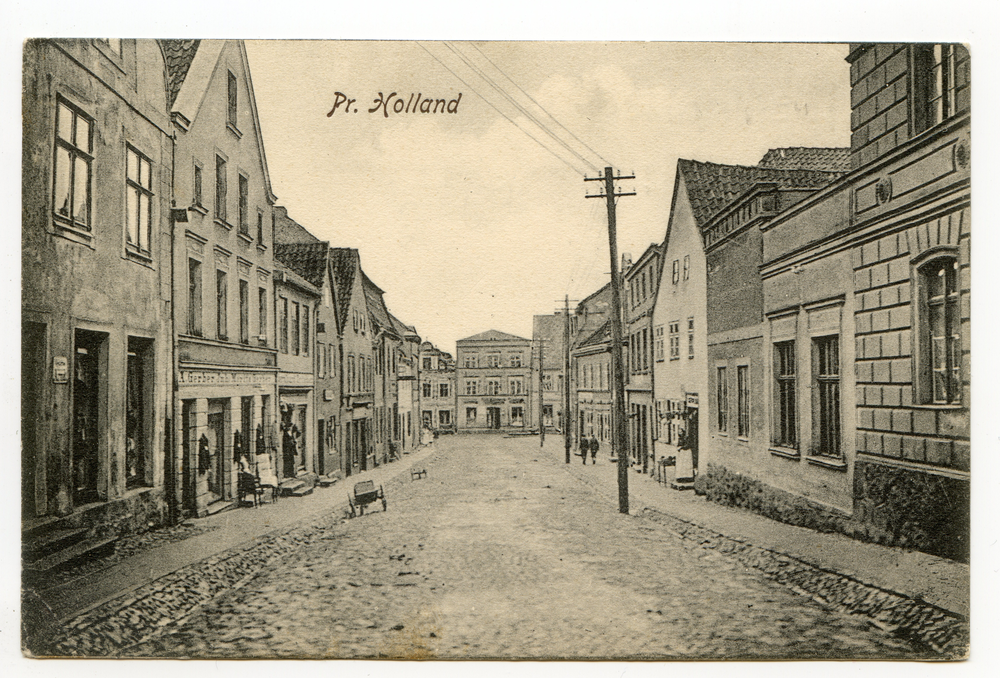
(71, 198)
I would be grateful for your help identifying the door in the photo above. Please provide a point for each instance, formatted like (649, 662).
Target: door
(216, 434)
(86, 401)
(493, 417)
(692, 431)
(321, 447)
(32, 378)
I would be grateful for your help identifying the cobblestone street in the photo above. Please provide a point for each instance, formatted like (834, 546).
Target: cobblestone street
(501, 553)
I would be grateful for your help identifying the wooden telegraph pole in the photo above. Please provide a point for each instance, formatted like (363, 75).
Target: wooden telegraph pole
(541, 395)
(567, 424)
(620, 437)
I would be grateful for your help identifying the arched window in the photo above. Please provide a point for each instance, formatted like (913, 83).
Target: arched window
(939, 349)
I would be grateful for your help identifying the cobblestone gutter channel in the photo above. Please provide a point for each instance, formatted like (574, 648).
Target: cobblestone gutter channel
(943, 631)
(135, 616)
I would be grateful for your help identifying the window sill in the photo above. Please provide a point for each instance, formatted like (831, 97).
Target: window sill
(74, 234)
(200, 209)
(939, 406)
(785, 453)
(261, 247)
(232, 128)
(140, 258)
(743, 439)
(836, 464)
(245, 237)
(222, 222)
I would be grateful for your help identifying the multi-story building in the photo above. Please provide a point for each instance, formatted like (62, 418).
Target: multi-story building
(405, 430)
(492, 375)
(645, 346)
(548, 367)
(437, 389)
(226, 392)
(355, 361)
(386, 342)
(592, 376)
(95, 297)
(588, 317)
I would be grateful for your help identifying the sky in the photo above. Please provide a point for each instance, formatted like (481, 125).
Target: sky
(464, 220)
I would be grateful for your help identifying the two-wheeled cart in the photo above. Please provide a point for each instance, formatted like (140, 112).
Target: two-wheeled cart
(365, 494)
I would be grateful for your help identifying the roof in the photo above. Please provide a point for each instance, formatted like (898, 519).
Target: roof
(287, 230)
(804, 158)
(711, 186)
(494, 335)
(376, 304)
(345, 261)
(601, 336)
(402, 329)
(294, 279)
(178, 55)
(307, 259)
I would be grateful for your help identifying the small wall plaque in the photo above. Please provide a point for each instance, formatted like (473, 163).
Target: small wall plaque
(60, 370)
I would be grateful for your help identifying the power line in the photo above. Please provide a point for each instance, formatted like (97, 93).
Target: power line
(503, 93)
(511, 121)
(539, 105)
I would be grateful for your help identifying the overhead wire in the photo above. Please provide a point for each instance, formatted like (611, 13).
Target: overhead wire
(583, 143)
(513, 102)
(509, 119)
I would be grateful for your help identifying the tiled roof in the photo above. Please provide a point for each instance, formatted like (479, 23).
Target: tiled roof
(495, 335)
(800, 157)
(307, 259)
(601, 336)
(376, 304)
(711, 186)
(345, 262)
(178, 55)
(402, 329)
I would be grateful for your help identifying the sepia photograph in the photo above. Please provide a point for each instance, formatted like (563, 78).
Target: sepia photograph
(456, 349)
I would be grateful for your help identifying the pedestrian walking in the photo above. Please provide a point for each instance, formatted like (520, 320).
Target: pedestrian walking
(594, 446)
(584, 446)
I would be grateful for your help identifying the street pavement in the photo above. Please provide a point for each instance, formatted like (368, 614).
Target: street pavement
(504, 551)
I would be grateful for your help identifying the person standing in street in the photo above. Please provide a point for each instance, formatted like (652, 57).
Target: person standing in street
(593, 446)
(584, 446)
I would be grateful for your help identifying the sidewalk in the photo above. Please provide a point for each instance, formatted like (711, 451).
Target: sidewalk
(232, 528)
(912, 574)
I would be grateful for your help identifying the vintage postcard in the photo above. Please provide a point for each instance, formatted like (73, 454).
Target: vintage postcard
(428, 349)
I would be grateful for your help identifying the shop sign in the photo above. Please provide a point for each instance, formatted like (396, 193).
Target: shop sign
(692, 399)
(199, 378)
(60, 370)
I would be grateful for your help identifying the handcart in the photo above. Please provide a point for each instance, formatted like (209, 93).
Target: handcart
(365, 494)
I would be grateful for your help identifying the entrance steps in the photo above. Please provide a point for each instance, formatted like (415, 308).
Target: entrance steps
(294, 488)
(53, 547)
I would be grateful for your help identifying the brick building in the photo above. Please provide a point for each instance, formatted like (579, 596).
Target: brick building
(493, 374)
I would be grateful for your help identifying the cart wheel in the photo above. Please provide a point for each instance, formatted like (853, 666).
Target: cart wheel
(384, 504)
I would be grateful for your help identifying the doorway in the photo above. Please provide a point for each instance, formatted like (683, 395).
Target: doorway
(86, 414)
(32, 377)
(692, 433)
(493, 417)
(321, 447)
(216, 434)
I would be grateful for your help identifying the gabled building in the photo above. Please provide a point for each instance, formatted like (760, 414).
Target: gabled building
(593, 393)
(356, 362)
(386, 343)
(493, 373)
(645, 346)
(548, 367)
(437, 389)
(226, 382)
(406, 365)
(589, 316)
(96, 265)
(702, 191)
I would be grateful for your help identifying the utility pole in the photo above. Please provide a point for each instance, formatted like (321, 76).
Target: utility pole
(567, 432)
(541, 395)
(617, 369)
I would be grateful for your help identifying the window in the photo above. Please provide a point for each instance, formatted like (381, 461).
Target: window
(675, 340)
(244, 312)
(351, 374)
(306, 311)
(197, 188)
(444, 417)
(676, 271)
(427, 363)
(231, 110)
(643, 288)
(295, 320)
(194, 297)
(471, 386)
(283, 327)
(743, 401)
(244, 215)
(515, 360)
(137, 461)
(71, 200)
(427, 390)
(690, 337)
(262, 315)
(547, 382)
(784, 374)
(493, 387)
(443, 390)
(659, 343)
(516, 386)
(428, 418)
(722, 399)
(470, 416)
(940, 345)
(220, 188)
(321, 360)
(138, 198)
(493, 360)
(940, 83)
(687, 266)
(471, 360)
(260, 227)
(517, 416)
(221, 310)
(114, 44)
(645, 349)
(826, 403)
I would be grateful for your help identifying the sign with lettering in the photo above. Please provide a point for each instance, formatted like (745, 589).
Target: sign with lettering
(692, 399)
(60, 370)
(199, 378)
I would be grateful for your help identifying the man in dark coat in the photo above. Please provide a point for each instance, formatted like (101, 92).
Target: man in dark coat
(594, 446)
(584, 446)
